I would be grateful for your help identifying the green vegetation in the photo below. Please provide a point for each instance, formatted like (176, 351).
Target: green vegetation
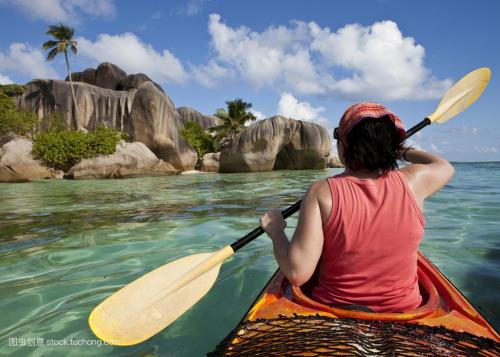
(53, 122)
(63, 149)
(12, 89)
(233, 120)
(200, 140)
(13, 121)
(63, 40)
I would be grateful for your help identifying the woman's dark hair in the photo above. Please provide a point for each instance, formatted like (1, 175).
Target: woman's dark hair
(373, 144)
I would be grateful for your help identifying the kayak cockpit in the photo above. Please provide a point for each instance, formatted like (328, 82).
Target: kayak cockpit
(443, 305)
(430, 304)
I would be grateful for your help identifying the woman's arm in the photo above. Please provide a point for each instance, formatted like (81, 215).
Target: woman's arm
(297, 259)
(427, 174)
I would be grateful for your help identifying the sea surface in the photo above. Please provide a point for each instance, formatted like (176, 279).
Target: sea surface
(67, 245)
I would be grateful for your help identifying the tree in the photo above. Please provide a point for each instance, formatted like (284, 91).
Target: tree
(233, 120)
(63, 40)
(200, 140)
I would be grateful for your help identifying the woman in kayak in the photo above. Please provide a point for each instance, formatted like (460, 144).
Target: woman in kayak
(361, 230)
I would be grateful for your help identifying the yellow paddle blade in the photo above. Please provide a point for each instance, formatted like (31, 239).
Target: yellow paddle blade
(459, 97)
(149, 304)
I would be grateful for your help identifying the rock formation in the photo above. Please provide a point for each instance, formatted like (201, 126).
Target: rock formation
(205, 121)
(129, 160)
(16, 155)
(8, 175)
(333, 161)
(110, 76)
(135, 105)
(87, 76)
(210, 162)
(95, 106)
(154, 122)
(277, 143)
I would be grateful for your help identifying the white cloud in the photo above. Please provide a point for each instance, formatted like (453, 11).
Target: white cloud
(193, 7)
(464, 130)
(290, 107)
(210, 74)
(486, 149)
(132, 55)
(69, 11)
(436, 149)
(384, 63)
(306, 59)
(258, 115)
(5, 79)
(26, 61)
(275, 57)
(412, 143)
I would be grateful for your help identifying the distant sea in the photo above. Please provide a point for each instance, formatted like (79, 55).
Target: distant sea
(66, 245)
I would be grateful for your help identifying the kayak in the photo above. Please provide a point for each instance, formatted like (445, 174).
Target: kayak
(285, 321)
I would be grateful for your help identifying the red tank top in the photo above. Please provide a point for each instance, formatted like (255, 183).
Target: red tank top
(371, 241)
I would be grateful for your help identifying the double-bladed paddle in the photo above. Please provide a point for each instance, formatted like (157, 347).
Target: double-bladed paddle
(146, 306)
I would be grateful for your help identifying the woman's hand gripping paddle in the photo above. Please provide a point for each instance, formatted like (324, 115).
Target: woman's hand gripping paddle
(146, 306)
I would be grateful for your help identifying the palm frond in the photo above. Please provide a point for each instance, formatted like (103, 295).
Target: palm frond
(49, 44)
(52, 54)
(61, 32)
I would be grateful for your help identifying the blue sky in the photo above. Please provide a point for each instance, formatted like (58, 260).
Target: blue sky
(304, 59)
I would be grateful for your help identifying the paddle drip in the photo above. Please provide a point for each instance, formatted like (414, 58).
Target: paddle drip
(324, 336)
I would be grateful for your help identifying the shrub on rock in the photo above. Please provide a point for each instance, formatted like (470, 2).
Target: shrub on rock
(64, 149)
(200, 140)
(15, 121)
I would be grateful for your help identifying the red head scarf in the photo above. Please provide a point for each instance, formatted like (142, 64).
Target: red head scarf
(357, 112)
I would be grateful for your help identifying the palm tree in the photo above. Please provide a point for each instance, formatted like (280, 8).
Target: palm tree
(63, 40)
(233, 120)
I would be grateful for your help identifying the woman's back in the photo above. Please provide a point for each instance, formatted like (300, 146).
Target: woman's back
(366, 251)
(371, 240)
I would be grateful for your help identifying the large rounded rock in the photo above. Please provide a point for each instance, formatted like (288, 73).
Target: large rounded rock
(129, 160)
(87, 76)
(108, 75)
(8, 175)
(333, 161)
(134, 81)
(277, 143)
(95, 106)
(16, 154)
(155, 122)
(205, 121)
(210, 162)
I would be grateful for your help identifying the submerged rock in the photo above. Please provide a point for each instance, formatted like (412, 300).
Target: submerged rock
(277, 143)
(129, 160)
(155, 122)
(16, 154)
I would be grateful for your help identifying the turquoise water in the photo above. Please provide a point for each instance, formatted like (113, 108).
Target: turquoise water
(66, 245)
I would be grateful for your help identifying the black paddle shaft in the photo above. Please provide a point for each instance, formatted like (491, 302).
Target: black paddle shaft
(240, 243)
(258, 231)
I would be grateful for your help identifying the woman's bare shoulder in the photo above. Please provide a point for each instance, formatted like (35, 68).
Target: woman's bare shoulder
(320, 191)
